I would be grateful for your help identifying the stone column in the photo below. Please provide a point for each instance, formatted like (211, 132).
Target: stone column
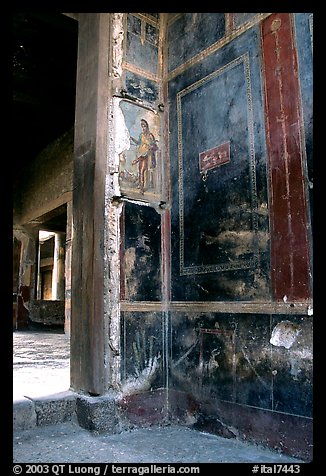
(68, 270)
(58, 274)
(27, 275)
(39, 277)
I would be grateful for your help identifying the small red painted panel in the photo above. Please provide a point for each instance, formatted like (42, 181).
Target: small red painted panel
(209, 159)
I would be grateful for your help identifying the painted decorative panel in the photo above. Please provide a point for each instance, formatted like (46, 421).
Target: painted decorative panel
(259, 361)
(202, 358)
(224, 142)
(192, 33)
(142, 352)
(141, 88)
(219, 219)
(140, 160)
(141, 253)
(153, 16)
(142, 44)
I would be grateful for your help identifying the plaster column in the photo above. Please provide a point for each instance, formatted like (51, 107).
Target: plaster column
(27, 275)
(68, 269)
(58, 275)
(39, 280)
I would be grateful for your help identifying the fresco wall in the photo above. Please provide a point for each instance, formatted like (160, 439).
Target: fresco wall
(223, 193)
(143, 365)
(141, 254)
(303, 23)
(213, 141)
(216, 287)
(136, 109)
(218, 177)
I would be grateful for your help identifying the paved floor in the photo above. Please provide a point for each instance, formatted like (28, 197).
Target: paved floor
(69, 443)
(41, 364)
(41, 367)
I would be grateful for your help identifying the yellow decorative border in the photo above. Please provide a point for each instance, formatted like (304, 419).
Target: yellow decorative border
(147, 19)
(229, 307)
(134, 69)
(174, 18)
(216, 46)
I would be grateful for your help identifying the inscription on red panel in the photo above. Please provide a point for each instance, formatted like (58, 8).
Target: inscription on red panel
(219, 155)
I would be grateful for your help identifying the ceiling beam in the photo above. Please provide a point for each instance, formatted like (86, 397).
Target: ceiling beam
(72, 15)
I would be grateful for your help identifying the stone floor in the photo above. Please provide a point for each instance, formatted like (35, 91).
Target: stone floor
(69, 443)
(41, 364)
(41, 368)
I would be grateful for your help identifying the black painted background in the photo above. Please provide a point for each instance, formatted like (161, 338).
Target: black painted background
(245, 369)
(142, 241)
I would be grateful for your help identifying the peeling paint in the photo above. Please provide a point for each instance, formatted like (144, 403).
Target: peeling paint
(117, 48)
(121, 133)
(284, 334)
(113, 210)
(118, 141)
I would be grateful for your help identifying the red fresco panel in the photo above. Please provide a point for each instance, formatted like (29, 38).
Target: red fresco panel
(215, 157)
(288, 212)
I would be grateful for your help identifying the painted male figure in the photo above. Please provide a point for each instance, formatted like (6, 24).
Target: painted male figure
(146, 154)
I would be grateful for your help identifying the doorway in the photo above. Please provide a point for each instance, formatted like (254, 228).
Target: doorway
(44, 58)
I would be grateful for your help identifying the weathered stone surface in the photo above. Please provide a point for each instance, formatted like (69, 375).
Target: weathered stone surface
(97, 414)
(24, 416)
(47, 312)
(56, 408)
